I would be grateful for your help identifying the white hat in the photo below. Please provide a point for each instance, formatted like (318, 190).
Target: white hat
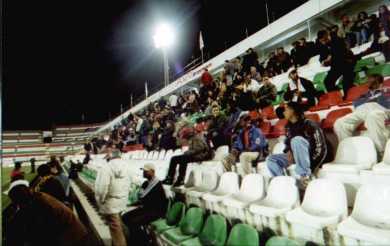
(16, 183)
(148, 167)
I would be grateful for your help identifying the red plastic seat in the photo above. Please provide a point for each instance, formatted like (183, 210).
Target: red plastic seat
(354, 93)
(269, 113)
(278, 129)
(333, 116)
(313, 117)
(328, 100)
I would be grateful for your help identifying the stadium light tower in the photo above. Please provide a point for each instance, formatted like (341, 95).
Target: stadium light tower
(163, 39)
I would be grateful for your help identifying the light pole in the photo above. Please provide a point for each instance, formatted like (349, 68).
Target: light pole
(163, 38)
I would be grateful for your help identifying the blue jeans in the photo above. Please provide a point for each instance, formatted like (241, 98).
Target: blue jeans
(300, 150)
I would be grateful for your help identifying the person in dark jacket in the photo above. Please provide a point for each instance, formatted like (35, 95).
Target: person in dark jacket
(42, 220)
(300, 88)
(306, 146)
(198, 151)
(152, 204)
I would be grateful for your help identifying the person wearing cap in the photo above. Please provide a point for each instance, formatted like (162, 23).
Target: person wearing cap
(112, 188)
(198, 151)
(42, 220)
(306, 146)
(250, 145)
(300, 88)
(152, 204)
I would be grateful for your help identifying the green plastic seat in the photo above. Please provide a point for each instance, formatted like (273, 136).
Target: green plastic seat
(173, 217)
(281, 241)
(189, 227)
(214, 232)
(319, 78)
(364, 63)
(382, 69)
(243, 234)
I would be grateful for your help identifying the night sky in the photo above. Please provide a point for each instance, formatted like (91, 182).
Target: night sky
(62, 59)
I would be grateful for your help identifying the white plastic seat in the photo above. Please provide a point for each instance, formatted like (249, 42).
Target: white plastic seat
(228, 185)
(384, 166)
(324, 205)
(282, 196)
(353, 155)
(252, 189)
(209, 183)
(369, 223)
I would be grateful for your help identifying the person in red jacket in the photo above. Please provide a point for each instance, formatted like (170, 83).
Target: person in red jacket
(206, 79)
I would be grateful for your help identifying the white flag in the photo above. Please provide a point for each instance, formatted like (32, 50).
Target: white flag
(201, 43)
(146, 89)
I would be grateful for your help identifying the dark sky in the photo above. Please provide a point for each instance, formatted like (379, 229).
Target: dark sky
(62, 59)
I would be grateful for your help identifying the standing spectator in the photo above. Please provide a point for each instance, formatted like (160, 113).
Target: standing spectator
(32, 165)
(198, 151)
(372, 109)
(251, 143)
(306, 146)
(42, 220)
(342, 62)
(112, 188)
(151, 206)
(266, 94)
(17, 173)
(384, 18)
(300, 88)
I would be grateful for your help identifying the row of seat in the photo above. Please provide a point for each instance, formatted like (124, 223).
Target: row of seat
(324, 207)
(187, 229)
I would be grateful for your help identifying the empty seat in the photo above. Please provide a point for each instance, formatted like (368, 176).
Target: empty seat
(228, 185)
(209, 183)
(369, 223)
(324, 205)
(282, 196)
(384, 166)
(189, 227)
(174, 215)
(327, 100)
(281, 241)
(252, 189)
(242, 234)
(278, 129)
(332, 116)
(214, 232)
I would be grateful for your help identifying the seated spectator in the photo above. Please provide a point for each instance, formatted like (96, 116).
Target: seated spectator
(17, 173)
(48, 184)
(372, 109)
(251, 143)
(283, 58)
(300, 89)
(42, 220)
(198, 151)
(152, 204)
(112, 188)
(266, 94)
(306, 146)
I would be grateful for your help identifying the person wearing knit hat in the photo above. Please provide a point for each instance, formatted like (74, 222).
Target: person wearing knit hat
(198, 151)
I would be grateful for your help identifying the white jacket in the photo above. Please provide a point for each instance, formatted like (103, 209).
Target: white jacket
(112, 186)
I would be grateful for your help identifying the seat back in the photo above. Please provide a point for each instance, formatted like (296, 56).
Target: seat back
(209, 179)
(283, 191)
(372, 206)
(214, 231)
(243, 234)
(386, 156)
(326, 197)
(253, 185)
(221, 153)
(161, 155)
(281, 241)
(332, 116)
(228, 183)
(175, 213)
(356, 151)
(192, 222)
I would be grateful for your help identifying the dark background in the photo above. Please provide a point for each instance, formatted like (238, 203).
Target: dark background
(62, 59)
